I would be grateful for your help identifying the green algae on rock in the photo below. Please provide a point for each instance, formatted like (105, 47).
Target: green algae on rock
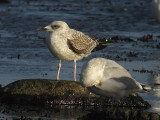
(61, 92)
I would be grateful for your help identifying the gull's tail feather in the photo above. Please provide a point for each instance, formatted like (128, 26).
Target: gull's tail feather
(146, 87)
(101, 43)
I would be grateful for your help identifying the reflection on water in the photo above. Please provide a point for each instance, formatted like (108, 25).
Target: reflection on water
(55, 113)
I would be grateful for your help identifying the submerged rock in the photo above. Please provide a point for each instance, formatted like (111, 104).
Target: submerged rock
(47, 92)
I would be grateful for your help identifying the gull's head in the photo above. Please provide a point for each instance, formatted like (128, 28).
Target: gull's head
(55, 26)
(92, 72)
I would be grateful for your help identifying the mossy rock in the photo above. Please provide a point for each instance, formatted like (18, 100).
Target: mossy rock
(42, 91)
(43, 87)
(61, 92)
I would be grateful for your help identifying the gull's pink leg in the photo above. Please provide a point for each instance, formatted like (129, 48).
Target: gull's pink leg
(59, 68)
(74, 70)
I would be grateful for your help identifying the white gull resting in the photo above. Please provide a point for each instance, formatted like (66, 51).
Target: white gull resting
(107, 78)
(68, 44)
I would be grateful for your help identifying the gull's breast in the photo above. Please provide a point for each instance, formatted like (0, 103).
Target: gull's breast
(59, 48)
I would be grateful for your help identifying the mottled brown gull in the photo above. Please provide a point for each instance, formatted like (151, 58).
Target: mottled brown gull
(68, 44)
(107, 78)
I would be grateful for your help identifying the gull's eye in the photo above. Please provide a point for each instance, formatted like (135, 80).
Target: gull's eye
(54, 26)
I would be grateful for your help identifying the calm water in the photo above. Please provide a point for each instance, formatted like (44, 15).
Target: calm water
(24, 55)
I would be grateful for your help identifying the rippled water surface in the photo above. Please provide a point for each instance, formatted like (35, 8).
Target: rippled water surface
(24, 55)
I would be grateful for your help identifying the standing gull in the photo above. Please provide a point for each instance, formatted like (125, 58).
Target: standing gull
(68, 44)
(107, 78)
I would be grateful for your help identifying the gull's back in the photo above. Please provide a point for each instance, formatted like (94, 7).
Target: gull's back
(118, 80)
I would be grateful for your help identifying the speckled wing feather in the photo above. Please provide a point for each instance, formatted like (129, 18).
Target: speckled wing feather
(81, 44)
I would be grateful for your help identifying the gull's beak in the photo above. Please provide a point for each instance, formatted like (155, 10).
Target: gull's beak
(41, 29)
(47, 28)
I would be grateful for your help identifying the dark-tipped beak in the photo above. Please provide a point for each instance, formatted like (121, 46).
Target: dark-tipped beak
(41, 28)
